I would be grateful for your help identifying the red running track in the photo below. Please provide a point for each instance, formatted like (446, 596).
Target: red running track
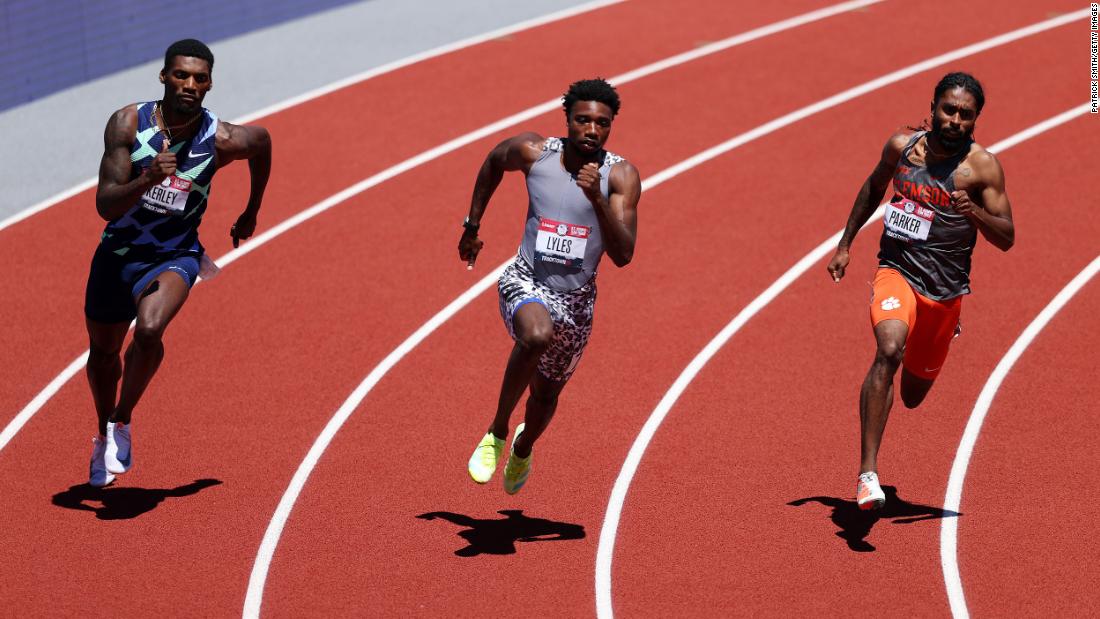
(329, 299)
(267, 408)
(772, 420)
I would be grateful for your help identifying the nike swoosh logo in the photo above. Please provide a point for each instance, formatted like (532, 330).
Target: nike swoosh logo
(194, 154)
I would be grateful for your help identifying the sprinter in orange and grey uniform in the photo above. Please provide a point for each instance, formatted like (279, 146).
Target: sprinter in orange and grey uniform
(947, 189)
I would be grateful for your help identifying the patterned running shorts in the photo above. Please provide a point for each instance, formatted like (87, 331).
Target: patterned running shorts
(571, 311)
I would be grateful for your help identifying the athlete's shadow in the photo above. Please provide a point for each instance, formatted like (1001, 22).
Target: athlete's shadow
(499, 536)
(855, 524)
(120, 503)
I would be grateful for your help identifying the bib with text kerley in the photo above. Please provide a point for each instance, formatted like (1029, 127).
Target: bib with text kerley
(561, 243)
(170, 196)
(908, 221)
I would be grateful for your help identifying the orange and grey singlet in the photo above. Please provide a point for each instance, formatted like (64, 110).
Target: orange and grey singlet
(561, 240)
(926, 241)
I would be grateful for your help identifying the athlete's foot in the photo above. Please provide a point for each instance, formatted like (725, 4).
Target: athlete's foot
(97, 469)
(117, 455)
(483, 462)
(869, 494)
(517, 469)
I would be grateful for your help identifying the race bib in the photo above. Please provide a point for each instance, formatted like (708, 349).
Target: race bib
(170, 196)
(561, 243)
(908, 221)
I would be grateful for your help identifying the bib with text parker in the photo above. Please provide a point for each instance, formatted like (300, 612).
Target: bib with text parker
(908, 221)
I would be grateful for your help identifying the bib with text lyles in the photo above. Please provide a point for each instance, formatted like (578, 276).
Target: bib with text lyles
(907, 220)
(170, 196)
(561, 242)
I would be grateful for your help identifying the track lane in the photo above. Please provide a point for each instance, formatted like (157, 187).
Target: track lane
(760, 423)
(227, 399)
(383, 532)
(1032, 450)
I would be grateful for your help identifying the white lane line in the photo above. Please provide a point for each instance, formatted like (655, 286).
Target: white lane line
(254, 595)
(261, 239)
(609, 530)
(952, 502)
(344, 83)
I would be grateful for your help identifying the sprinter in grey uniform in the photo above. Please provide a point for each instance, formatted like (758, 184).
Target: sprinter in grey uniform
(582, 203)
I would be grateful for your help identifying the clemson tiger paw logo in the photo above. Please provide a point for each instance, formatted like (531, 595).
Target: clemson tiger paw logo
(891, 303)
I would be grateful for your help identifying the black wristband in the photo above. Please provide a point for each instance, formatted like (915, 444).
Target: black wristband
(470, 226)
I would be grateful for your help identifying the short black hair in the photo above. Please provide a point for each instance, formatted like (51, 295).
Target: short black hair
(591, 90)
(189, 47)
(962, 80)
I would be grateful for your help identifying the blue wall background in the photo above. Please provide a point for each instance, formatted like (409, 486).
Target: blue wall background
(49, 45)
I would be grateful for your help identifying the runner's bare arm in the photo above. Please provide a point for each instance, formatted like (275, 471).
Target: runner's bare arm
(516, 153)
(992, 214)
(253, 143)
(617, 214)
(117, 192)
(868, 199)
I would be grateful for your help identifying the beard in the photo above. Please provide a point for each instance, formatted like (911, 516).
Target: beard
(949, 142)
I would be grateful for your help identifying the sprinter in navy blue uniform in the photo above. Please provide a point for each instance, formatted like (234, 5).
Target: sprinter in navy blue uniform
(159, 160)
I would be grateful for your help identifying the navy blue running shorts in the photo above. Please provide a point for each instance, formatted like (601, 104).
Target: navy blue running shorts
(115, 282)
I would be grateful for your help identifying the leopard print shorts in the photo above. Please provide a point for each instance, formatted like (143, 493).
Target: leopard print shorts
(571, 311)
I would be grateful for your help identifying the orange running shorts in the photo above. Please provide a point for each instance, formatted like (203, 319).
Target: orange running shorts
(931, 323)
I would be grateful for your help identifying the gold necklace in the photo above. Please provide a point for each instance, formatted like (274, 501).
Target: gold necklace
(163, 126)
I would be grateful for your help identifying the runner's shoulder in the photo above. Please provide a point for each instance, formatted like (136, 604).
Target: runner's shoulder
(984, 162)
(127, 114)
(123, 123)
(899, 140)
(621, 165)
(529, 144)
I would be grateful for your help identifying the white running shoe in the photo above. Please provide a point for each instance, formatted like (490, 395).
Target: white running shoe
(117, 455)
(869, 494)
(97, 468)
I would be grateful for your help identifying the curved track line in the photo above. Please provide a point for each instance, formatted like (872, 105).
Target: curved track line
(953, 500)
(344, 83)
(258, 578)
(605, 550)
(31, 408)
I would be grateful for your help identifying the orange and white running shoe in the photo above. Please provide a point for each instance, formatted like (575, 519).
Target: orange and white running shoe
(869, 494)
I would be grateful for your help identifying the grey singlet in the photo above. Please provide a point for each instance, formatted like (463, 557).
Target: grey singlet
(562, 240)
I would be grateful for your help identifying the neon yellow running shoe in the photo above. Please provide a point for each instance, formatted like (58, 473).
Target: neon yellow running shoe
(483, 463)
(517, 469)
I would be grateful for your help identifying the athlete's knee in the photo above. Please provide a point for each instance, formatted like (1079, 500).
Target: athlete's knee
(912, 400)
(101, 356)
(149, 334)
(889, 355)
(914, 390)
(536, 338)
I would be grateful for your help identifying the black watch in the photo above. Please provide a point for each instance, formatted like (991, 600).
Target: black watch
(470, 226)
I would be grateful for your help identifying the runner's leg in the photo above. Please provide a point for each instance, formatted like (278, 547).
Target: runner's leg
(157, 305)
(534, 331)
(104, 367)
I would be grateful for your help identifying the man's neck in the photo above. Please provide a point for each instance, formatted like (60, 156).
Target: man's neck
(573, 160)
